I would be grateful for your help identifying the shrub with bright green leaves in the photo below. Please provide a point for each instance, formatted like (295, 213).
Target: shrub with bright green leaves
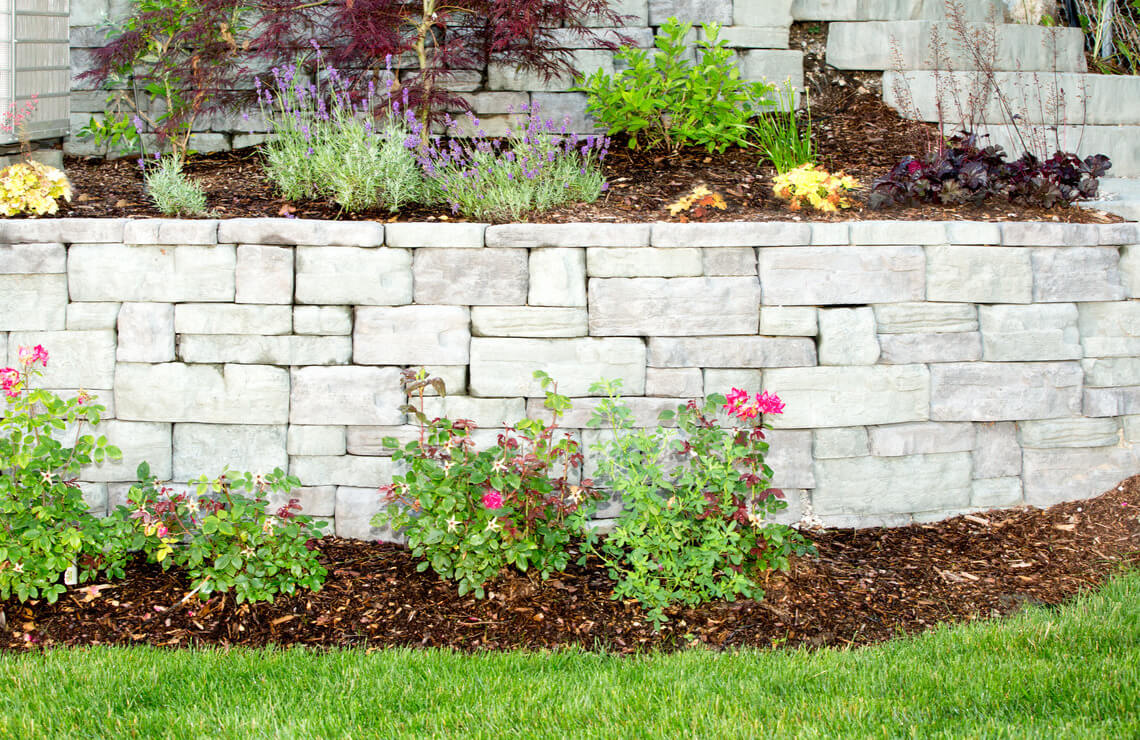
(696, 497)
(45, 525)
(470, 513)
(663, 100)
(221, 532)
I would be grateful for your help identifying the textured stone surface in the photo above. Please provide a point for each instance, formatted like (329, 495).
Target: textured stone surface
(505, 367)
(724, 380)
(410, 235)
(314, 439)
(841, 275)
(264, 274)
(995, 493)
(797, 321)
(649, 306)
(30, 259)
(847, 336)
(996, 452)
(411, 335)
(1003, 391)
(925, 318)
(355, 508)
(249, 349)
(146, 332)
(369, 440)
(1110, 329)
(204, 318)
(295, 231)
(207, 449)
(789, 456)
(968, 274)
(139, 442)
(33, 302)
(76, 359)
(216, 394)
(1075, 432)
(871, 233)
(693, 11)
(1132, 428)
(114, 272)
(919, 438)
(84, 316)
(557, 277)
(1110, 371)
(172, 231)
(903, 349)
(1111, 401)
(483, 277)
(1045, 234)
(533, 236)
(892, 485)
(346, 395)
(314, 500)
(729, 234)
(755, 352)
(1052, 476)
(680, 382)
(347, 275)
(1130, 269)
(528, 321)
(317, 320)
(1076, 274)
(850, 396)
(1044, 331)
(485, 412)
(342, 470)
(642, 262)
(840, 442)
(728, 261)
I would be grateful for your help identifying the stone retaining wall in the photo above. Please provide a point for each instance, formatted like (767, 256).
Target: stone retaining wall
(928, 368)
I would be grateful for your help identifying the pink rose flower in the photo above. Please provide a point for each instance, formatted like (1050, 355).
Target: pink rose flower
(32, 355)
(492, 499)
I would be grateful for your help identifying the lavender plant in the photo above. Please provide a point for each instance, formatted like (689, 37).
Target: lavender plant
(531, 169)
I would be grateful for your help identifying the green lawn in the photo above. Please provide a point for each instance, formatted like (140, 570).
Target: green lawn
(1070, 672)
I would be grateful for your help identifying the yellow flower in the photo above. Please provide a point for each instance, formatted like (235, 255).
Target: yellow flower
(32, 188)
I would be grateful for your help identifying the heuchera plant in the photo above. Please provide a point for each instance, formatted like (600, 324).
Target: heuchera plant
(810, 185)
(45, 525)
(469, 513)
(696, 497)
(223, 535)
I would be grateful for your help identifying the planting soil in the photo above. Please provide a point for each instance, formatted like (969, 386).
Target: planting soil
(865, 586)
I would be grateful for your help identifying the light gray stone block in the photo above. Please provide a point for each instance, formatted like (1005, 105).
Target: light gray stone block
(1111, 401)
(903, 349)
(411, 335)
(355, 508)
(1053, 476)
(115, 272)
(342, 470)
(264, 274)
(170, 231)
(730, 234)
(634, 262)
(925, 318)
(920, 438)
(87, 316)
(485, 412)
(76, 359)
(850, 396)
(773, 12)
(453, 236)
(1005, 391)
(680, 382)
(557, 277)
(847, 336)
(1132, 428)
(973, 232)
(865, 521)
(841, 275)
(792, 321)
(1130, 269)
(217, 394)
(1044, 234)
(31, 259)
(315, 439)
(1103, 372)
(1074, 432)
(840, 442)
(831, 234)
(146, 332)
(369, 440)
(205, 318)
(1110, 329)
(139, 442)
(33, 302)
(569, 108)
(789, 456)
(95, 496)
(454, 379)
(754, 352)
(967, 274)
(1076, 274)
(528, 321)
(647, 306)
(1118, 234)
(349, 275)
(585, 61)
(252, 349)
(1042, 331)
(298, 231)
(892, 485)
(692, 11)
(898, 233)
(484, 277)
(724, 380)
(996, 453)
(728, 261)
(995, 493)
(505, 367)
(752, 37)
(318, 501)
(346, 395)
(777, 66)
(65, 230)
(322, 320)
(533, 236)
(208, 449)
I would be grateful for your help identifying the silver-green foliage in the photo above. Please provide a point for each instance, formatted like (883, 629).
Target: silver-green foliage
(171, 191)
(358, 168)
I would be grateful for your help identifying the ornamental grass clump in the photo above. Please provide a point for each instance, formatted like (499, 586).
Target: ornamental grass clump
(469, 513)
(531, 169)
(696, 499)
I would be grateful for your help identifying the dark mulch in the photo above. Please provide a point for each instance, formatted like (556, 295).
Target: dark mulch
(866, 586)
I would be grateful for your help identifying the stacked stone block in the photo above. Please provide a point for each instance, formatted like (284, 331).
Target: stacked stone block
(928, 368)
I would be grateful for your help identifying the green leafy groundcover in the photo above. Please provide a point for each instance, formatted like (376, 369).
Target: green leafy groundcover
(1068, 672)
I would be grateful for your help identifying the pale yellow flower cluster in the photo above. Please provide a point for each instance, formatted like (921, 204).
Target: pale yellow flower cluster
(808, 184)
(32, 188)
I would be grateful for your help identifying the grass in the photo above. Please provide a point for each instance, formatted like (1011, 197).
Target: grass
(1070, 672)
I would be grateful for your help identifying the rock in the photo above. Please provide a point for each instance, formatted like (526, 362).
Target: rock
(505, 367)
(346, 395)
(412, 335)
(1042, 331)
(215, 394)
(729, 352)
(841, 275)
(967, 274)
(483, 277)
(892, 485)
(264, 274)
(146, 332)
(356, 276)
(1005, 391)
(557, 277)
(850, 396)
(646, 306)
(847, 336)
(528, 321)
(208, 449)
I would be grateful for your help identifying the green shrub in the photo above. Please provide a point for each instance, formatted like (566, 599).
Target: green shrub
(665, 101)
(172, 192)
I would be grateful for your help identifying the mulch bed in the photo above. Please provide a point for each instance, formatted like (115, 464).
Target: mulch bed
(866, 586)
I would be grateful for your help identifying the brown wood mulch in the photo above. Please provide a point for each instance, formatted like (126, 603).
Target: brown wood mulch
(864, 587)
